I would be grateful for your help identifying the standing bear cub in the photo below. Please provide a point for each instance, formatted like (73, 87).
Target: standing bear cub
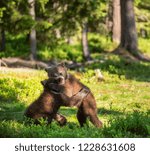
(68, 85)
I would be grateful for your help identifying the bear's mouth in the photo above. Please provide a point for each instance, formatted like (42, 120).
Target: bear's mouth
(60, 80)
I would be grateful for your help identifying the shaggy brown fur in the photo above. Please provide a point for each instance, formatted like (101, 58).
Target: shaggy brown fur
(49, 102)
(70, 86)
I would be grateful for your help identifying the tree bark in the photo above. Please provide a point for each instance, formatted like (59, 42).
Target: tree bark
(2, 40)
(69, 40)
(129, 38)
(116, 37)
(58, 34)
(109, 18)
(86, 52)
(32, 35)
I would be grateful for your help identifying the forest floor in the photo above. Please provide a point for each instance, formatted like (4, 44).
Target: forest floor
(123, 101)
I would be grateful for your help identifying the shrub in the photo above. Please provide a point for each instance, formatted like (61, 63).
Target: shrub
(62, 52)
(134, 124)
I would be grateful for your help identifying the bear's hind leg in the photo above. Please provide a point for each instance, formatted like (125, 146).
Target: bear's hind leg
(95, 120)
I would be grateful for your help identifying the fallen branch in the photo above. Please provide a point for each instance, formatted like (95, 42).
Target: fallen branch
(78, 65)
(2, 63)
(17, 62)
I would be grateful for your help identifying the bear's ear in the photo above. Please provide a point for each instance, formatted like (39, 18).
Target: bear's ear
(47, 69)
(44, 82)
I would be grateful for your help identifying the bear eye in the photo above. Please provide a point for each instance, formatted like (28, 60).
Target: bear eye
(54, 75)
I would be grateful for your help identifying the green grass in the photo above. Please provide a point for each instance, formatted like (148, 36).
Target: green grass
(123, 101)
(143, 45)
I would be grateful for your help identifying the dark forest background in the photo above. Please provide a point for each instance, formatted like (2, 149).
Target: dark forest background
(73, 30)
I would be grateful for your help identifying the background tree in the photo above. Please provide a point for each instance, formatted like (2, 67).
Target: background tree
(32, 34)
(129, 38)
(2, 40)
(80, 23)
(3, 16)
(77, 15)
(85, 46)
(116, 31)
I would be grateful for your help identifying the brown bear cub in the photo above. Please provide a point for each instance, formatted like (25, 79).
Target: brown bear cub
(49, 102)
(70, 86)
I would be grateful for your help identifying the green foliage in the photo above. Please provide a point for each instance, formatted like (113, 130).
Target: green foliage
(16, 46)
(98, 43)
(132, 125)
(42, 4)
(137, 2)
(43, 26)
(65, 17)
(17, 87)
(1, 13)
(62, 52)
(143, 44)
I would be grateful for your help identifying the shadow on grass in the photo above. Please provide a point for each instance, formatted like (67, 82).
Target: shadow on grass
(17, 116)
(131, 125)
(113, 64)
(136, 124)
(12, 111)
(68, 111)
(16, 112)
(103, 111)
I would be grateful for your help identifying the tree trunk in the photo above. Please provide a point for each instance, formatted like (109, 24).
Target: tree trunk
(128, 28)
(58, 34)
(109, 20)
(69, 40)
(32, 35)
(116, 37)
(129, 38)
(86, 52)
(2, 40)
